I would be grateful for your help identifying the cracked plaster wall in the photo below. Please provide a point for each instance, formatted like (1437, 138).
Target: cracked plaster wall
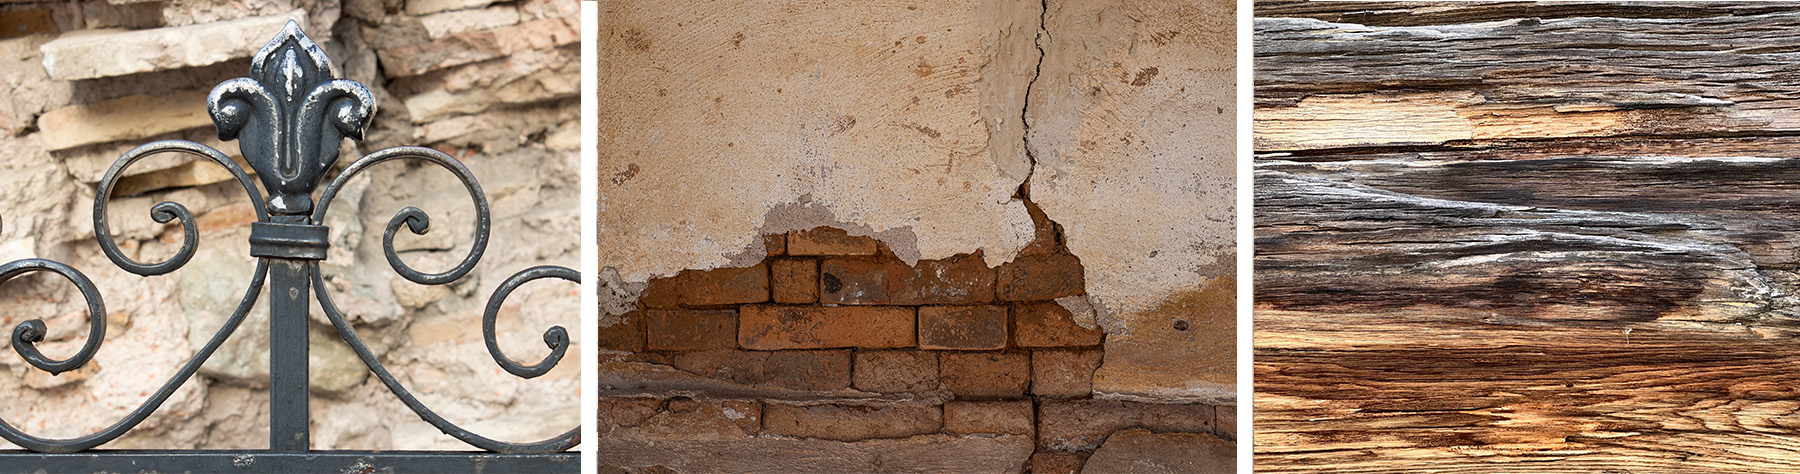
(907, 122)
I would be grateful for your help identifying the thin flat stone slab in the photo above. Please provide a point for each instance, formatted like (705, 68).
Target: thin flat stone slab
(107, 53)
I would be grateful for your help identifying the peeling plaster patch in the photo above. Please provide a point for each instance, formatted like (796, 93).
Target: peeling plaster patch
(1079, 310)
(616, 296)
(725, 142)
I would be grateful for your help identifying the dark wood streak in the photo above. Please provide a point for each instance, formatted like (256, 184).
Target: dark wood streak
(1557, 296)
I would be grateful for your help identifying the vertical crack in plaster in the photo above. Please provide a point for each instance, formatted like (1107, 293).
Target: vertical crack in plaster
(1038, 40)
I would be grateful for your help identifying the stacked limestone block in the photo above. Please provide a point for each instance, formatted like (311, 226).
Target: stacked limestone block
(832, 354)
(492, 83)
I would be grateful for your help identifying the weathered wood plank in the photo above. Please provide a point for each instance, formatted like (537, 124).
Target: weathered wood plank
(1527, 238)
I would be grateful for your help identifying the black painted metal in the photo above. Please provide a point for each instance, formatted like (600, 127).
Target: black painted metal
(288, 118)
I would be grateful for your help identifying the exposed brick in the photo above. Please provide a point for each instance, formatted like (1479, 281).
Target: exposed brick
(850, 423)
(853, 281)
(828, 241)
(811, 327)
(997, 417)
(776, 244)
(690, 330)
(895, 371)
(1044, 236)
(726, 286)
(1064, 373)
(794, 281)
(624, 412)
(626, 335)
(962, 327)
(1225, 421)
(1039, 277)
(662, 293)
(747, 414)
(963, 279)
(985, 374)
(745, 367)
(1056, 462)
(1081, 425)
(798, 370)
(808, 370)
(1047, 324)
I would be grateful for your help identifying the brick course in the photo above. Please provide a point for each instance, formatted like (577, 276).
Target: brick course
(690, 330)
(768, 327)
(850, 422)
(1047, 324)
(969, 328)
(1040, 277)
(895, 371)
(980, 375)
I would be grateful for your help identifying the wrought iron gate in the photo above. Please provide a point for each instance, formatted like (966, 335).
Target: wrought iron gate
(288, 118)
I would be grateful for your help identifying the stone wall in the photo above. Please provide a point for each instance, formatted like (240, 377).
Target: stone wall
(927, 134)
(492, 83)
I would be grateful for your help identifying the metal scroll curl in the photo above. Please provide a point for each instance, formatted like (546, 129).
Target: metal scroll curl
(557, 338)
(27, 334)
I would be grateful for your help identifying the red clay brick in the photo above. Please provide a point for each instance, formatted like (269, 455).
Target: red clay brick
(1066, 373)
(963, 279)
(690, 329)
(985, 374)
(828, 241)
(808, 370)
(959, 280)
(853, 281)
(627, 335)
(1039, 277)
(725, 286)
(766, 327)
(776, 244)
(662, 293)
(969, 328)
(895, 371)
(798, 370)
(998, 417)
(1044, 239)
(851, 422)
(1047, 324)
(1082, 424)
(794, 281)
(1055, 462)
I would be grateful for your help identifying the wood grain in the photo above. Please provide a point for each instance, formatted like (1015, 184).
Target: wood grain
(1527, 238)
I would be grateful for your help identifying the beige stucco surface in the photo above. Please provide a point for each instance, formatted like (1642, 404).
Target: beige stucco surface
(724, 121)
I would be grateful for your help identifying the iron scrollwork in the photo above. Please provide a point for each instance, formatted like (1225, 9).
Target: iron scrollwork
(288, 117)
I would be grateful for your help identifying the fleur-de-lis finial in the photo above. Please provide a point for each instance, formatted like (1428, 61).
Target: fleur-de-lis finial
(289, 117)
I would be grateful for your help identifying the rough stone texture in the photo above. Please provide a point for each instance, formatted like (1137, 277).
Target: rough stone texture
(1139, 451)
(910, 146)
(95, 53)
(930, 453)
(1000, 417)
(1051, 325)
(1064, 373)
(896, 371)
(135, 116)
(1082, 425)
(985, 374)
(148, 66)
(967, 328)
(851, 422)
(806, 327)
(690, 330)
(1166, 174)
